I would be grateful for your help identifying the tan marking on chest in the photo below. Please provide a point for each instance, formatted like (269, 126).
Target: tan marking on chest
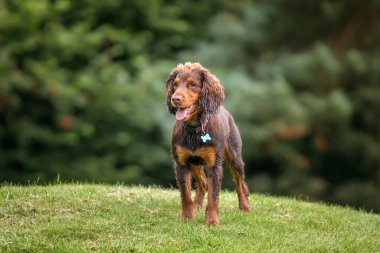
(206, 153)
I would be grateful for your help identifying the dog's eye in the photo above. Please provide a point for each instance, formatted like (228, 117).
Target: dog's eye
(193, 85)
(175, 86)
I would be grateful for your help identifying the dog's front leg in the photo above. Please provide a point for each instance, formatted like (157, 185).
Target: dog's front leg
(183, 176)
(199, 174)
(214, 182)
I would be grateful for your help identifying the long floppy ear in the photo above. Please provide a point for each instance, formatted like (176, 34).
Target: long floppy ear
(170, 90)
(212, 94)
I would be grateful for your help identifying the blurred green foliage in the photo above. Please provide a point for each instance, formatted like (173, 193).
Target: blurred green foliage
(82, 90)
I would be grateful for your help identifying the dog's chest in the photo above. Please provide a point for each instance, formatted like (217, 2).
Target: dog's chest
(200, 156)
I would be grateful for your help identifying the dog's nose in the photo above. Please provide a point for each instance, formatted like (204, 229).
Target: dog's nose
(176, 99)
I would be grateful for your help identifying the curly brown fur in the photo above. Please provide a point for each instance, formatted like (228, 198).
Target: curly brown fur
(195, 96)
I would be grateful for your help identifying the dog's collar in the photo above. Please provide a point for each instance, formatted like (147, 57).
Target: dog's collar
(199, 126)
(192, 128)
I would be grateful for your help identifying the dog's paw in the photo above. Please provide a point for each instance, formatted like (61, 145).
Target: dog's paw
(211, 217)
(212, 221)
(188, 213)
(245, 209)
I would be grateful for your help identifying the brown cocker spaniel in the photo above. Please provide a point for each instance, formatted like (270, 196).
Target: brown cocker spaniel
(204, 134)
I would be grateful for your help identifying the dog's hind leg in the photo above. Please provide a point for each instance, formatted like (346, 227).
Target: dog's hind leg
(236, 166)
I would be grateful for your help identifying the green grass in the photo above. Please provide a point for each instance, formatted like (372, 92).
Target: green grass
(100, 218)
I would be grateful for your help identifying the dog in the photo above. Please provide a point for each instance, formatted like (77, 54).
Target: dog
(204, 135)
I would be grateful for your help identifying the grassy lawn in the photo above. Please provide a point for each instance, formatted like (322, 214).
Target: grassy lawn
(100, 218)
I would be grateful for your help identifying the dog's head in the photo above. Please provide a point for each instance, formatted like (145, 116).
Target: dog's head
(190, 89)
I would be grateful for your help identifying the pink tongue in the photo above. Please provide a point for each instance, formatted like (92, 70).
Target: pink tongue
(181, 114)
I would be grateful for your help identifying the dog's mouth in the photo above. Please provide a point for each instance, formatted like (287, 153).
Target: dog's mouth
(185, 113)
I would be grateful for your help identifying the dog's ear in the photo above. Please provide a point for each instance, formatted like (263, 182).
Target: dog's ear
(170, 90)
(212, 94)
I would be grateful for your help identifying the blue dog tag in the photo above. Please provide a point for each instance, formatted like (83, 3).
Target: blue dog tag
(205, 138)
